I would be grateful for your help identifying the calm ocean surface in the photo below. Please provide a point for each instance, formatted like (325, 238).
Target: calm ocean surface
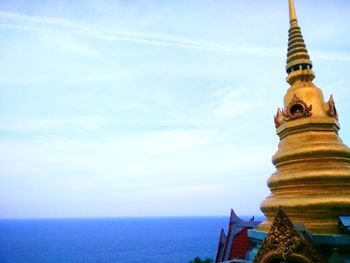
(122, 240)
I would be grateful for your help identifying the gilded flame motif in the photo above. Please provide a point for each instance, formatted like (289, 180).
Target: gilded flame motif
(331, 108)
(276, 118)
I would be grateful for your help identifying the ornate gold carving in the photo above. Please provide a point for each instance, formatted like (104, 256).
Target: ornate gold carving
(332, 109)
(284, 242)
(276, 118)
(296, 108)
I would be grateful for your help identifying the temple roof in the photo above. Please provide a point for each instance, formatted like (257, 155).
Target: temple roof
(236, 243)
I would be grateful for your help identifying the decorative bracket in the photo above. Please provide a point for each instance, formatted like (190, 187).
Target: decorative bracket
(276, 118)
(332, 111)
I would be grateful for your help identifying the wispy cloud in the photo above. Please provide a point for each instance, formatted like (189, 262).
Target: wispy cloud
(233, 102)
(71, 45)
(45, 24)
(198, 188)
(332, 56)
(133, 108)
(52, 124)
(43, 20)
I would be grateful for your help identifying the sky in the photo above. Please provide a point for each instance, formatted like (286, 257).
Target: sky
(152, 108)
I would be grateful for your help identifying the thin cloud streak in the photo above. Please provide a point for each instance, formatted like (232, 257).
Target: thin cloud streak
(53, 124)
(138, 106)
(151, 38)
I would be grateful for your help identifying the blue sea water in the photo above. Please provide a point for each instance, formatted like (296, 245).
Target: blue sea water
(122, 240)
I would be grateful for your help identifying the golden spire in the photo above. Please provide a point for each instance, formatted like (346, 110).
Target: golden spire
(292, 13)
(297, 57)
(311, 157)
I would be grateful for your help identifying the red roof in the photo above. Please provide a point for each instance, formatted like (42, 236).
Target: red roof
(237, 243)
(241, 245)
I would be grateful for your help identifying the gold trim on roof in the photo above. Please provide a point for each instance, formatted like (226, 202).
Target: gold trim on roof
(284, 242)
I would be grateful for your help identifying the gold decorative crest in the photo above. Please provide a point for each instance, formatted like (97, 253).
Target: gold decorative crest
(284, 242)
(296, 108)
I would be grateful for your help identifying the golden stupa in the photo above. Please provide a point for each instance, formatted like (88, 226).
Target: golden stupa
(312, 178)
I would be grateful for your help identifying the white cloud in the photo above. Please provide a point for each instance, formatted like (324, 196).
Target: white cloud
(43, 20)
(53, 124)
(235, 102)
(331, 56)
(140, 169)
(42, 23)
(69, 44)
(196, 188)
(147, 125)
(232, 107)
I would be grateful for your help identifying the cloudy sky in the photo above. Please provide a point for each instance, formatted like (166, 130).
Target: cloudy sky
(152, 108)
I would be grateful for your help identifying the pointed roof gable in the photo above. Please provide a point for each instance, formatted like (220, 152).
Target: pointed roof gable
(284, 242)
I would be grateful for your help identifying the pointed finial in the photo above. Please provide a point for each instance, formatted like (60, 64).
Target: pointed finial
(292, 13)
(298, 58)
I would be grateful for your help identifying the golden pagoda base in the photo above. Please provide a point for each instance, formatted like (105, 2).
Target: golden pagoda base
(312, 181)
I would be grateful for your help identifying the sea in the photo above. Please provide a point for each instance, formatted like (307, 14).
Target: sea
(122, 240)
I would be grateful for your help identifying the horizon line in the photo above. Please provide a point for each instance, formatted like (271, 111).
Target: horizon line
(125, 217)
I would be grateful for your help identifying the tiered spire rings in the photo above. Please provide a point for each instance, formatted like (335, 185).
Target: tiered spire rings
(297, 57)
